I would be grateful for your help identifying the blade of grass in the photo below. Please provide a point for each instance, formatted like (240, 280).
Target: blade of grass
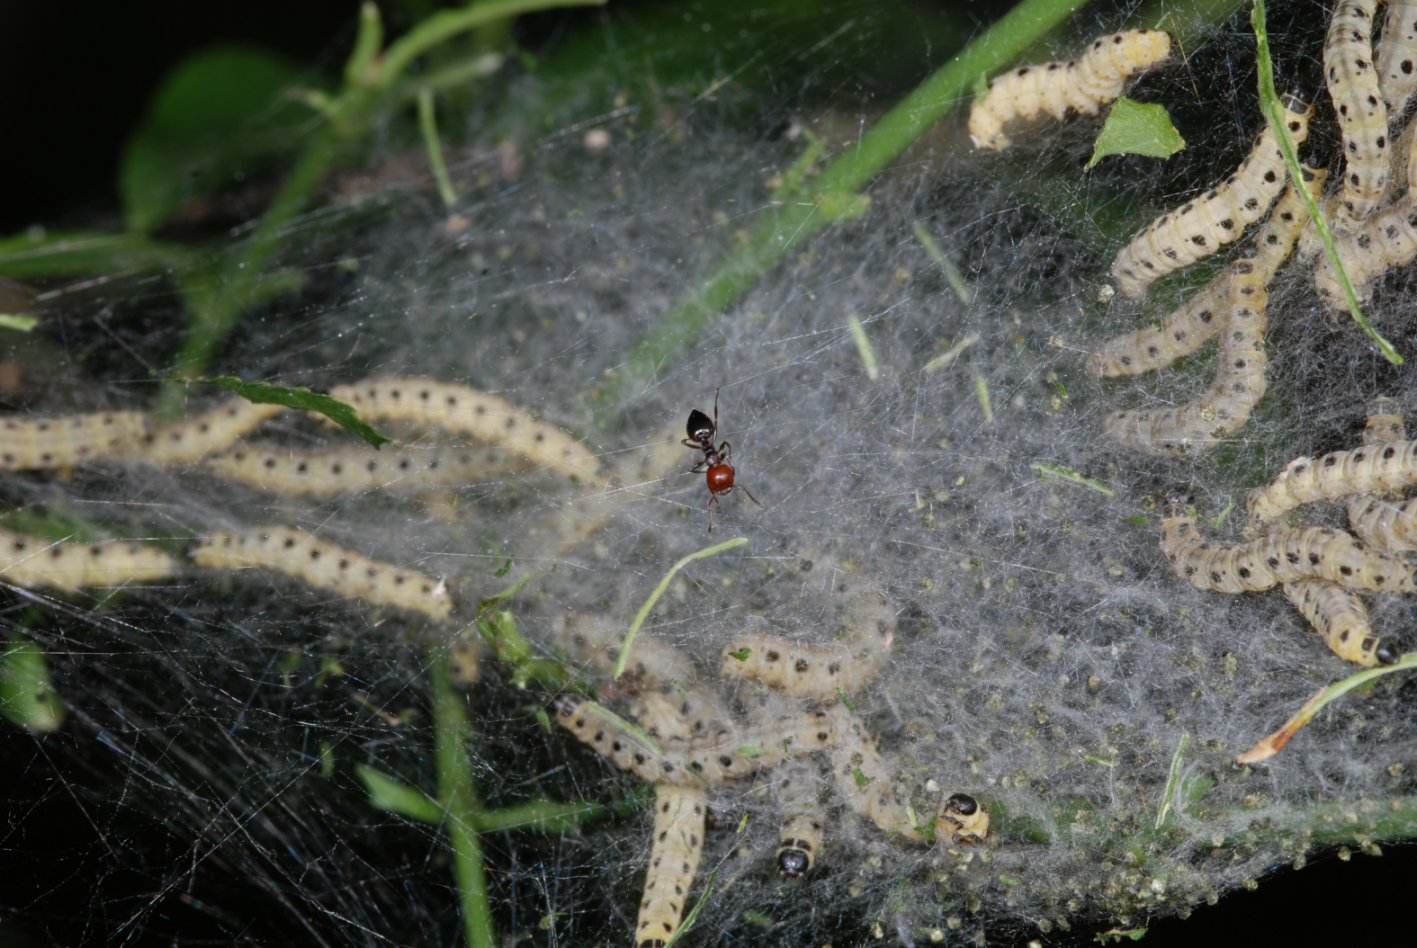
(1274, 116)
(624, 658)
(1275, 742)
(457, 794)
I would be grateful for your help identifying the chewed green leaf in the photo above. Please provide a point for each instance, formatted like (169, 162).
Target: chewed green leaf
(303, 399)
(1137, 128)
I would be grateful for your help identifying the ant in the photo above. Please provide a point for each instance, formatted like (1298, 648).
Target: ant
(717, 465)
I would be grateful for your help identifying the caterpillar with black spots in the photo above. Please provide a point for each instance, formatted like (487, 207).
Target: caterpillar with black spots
(1282, 556)
(359, 468)
(1385, 241)
(459, 409)
(326, 566)
(677, 844)
(1226, 404)
(725, 755)
(1202, 226)
(1084, 84)
(818, 671)
(69, 566)
(1397, 56)
(1362, 114)
(1341, 619)
(797, 786)
(215, 429)
(1195, 322)
(1378, 519)
(59, 443)
(866, 783)
(1364, 470)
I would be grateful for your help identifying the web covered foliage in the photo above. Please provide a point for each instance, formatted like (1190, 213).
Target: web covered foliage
(951, 564)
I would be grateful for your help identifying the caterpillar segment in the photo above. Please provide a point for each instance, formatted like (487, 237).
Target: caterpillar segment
(64, 442)
(1362, 115)
(68, 566)
(677, 844)
(1340, 617)
(1365, 470)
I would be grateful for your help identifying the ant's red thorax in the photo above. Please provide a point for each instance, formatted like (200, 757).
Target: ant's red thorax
(720, 478)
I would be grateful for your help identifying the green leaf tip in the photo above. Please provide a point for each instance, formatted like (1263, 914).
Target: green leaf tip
(1136, 128)
(262, 393)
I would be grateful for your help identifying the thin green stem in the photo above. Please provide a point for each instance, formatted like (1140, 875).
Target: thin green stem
(428, 125)
(643, 614)
(457, 793)
(1274, 115)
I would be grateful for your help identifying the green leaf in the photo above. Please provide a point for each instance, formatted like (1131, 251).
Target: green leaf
(394, 796)
(742, 654)
(18, 322)
(219, 115)
(1137, 128)
(27, 696)
(300, 398)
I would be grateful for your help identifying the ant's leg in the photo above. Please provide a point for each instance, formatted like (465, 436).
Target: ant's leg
(726, 450)
(715, 409)
(712, 502)
(748, 492)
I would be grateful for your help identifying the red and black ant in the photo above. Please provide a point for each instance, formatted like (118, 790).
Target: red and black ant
(717, 465)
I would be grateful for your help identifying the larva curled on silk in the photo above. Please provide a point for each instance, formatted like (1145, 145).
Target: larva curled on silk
(725, 755)
(1397, 56)
(1281, 556)
(1196, 321)
(1364, 470)
(680, 816)
(1341, 618)
(215, 429)
(1226, 404)
(1084, 84)
(818, 671)
(459, 409)
(1385, 241)
(359, 468)
(67, 566)
(1362, 116)
(1202, 226)
(323, 565)
(864, 781)
(1378, 519)
(797, 786)
(47, 444)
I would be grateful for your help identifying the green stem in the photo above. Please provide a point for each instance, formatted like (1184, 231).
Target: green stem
(452, 735)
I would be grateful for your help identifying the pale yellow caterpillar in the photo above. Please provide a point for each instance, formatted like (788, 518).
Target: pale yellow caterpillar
(1397, 56)
(690, 713)
(213, 430)
(1362, 116)
(818, 671)
(1191, 325)
(46, 444)
(67, 566)
(359, 468)
(462, 410)
(725, 755)
(1366, 470)
(866, 784)
(797, 785)
(1202, 226)
(1085, 84)
(596, 640)
(680, 815)
(1226, 405)
(1342, 619)
(1281, 556)
(326, 566)
(1377, 519)
(1385, 241)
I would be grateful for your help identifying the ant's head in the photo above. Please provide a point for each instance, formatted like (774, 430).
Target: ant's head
(700, 428)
